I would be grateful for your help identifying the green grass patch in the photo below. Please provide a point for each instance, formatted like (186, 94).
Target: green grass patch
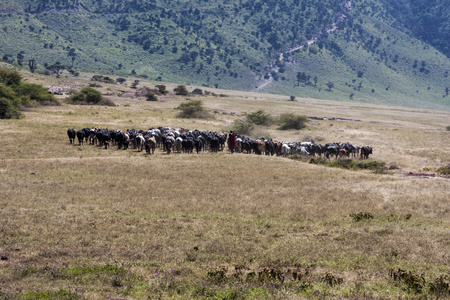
(378, 167)
(58, 295)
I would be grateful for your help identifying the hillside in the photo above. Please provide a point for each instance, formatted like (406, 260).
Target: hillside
(365, 51)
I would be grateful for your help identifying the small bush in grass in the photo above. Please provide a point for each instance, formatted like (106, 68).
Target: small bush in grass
(151, 96)
(448, 128)
(259, 117)
(361, 216)
(243, 127)
(290, 121)
(181, 90)
(89, 95)
(444, 170)
(193, 109)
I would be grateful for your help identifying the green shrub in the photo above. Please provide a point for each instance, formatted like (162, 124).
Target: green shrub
(9, 109)
(243, 127)
(151, 96)
(9, 76)
(181, 90)
(34, 92)
(193, 109)
(259, 117)
(448, 128)
(89, 95)
(290, 121)
(9, 104)
(444, 170)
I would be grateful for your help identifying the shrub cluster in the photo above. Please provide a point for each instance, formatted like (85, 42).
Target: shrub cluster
(89, 95)
(290, 121)
(259, 117)
(193, 109)
(15, 94)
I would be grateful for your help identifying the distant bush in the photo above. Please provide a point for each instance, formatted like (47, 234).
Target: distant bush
(89, 95)
(259, 117)
(181, 90)
(448, 128)
(444, 170)
(243, 127)
(121, 80)
(193, 109)
(290, 121)
(197, 91)
(151, 96)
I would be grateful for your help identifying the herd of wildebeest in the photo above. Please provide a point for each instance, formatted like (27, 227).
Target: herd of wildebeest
(186, 141)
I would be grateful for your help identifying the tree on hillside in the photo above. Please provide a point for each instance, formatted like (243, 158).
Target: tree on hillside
(56, 68)
(330, 85)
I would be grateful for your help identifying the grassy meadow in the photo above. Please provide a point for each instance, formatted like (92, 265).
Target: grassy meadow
(82, 222)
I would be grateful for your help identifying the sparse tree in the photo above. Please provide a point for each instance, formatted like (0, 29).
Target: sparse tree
(135, 84)
(330, 85)
(56, 68)
(162, 89)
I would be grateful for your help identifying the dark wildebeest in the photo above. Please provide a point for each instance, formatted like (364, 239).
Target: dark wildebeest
(365, 152)
(71, 134)
(80, 136)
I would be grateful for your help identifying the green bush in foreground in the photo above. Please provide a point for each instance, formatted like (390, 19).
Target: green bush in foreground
(14, 94)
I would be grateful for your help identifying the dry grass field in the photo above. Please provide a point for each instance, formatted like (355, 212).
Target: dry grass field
(82, 222)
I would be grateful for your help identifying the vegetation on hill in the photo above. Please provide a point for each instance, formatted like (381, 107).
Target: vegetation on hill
(371, 51)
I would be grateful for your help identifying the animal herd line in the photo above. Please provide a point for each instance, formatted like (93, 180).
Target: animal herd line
(171, 140)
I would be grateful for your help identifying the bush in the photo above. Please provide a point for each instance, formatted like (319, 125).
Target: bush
(290, 121)
(151, 96)
(444, 170)
(259, 117)
(243, 127)
(181, 90)
(9, 109)
(9, 104)
(193, 109)
(89, 95)
(448, 128)
(9, 76)
(34, 92)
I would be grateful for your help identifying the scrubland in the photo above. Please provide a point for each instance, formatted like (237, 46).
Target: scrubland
(82, 222)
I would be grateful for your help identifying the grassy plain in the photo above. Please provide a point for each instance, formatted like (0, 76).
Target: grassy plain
(80, 222)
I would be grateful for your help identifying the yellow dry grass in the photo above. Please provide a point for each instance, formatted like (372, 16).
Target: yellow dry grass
(166, 223)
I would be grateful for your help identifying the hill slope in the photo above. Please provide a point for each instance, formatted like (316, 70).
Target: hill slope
(361, 51)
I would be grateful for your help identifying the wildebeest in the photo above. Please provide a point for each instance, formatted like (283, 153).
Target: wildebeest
(140, 140)
(365, 152)
(150, 144)
(71, 134)
(80, 136)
